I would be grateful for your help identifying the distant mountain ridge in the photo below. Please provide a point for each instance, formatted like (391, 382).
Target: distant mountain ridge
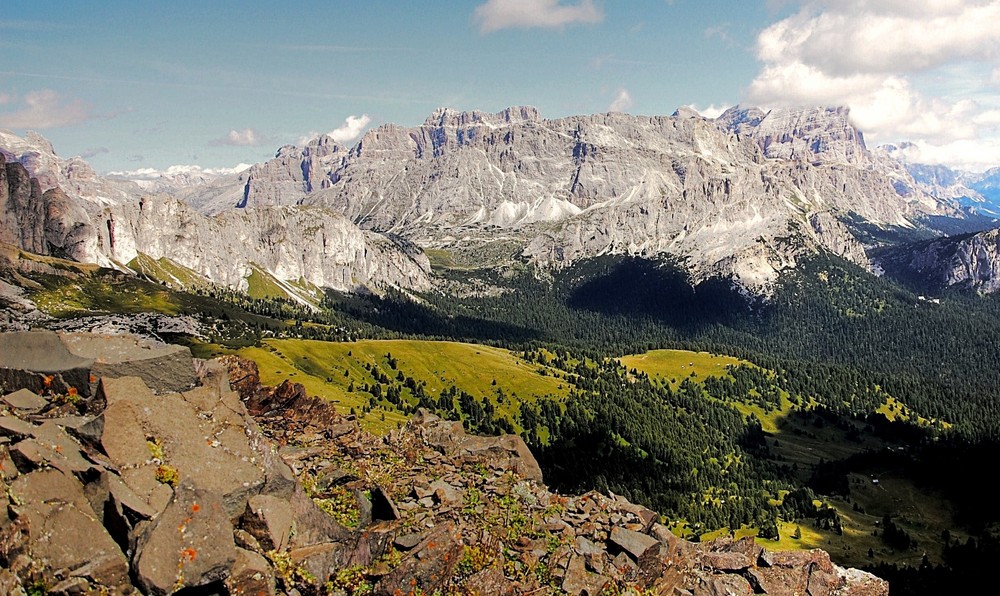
(978, 192)
(741, 196)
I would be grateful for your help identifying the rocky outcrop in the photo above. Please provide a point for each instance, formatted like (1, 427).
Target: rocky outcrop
(22, 211)
(73, 175)
(124, 491)
(292, 243)
(809, 135)
(970, 261)
(69, 232)
(308, 245)
(46, 361)
(283, 180)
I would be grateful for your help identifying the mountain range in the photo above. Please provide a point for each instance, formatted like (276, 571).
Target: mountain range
(741, 197)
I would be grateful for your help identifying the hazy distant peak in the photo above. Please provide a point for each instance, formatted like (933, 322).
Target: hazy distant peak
(451, 117)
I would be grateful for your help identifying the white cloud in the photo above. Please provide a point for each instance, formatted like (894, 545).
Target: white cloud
(178, 171)
(878, 57)
(721, 32)
(711, 112)
(495, 15)
(351, 129)
(972, 155)
(247, 137)
(622, 102)
(44, 109)
(843, 37)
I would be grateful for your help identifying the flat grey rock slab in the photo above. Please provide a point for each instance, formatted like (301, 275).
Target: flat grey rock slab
(26, 400)
(163, 367)
(141, 433)
(38, 361)
(38, 351)
(188, 546)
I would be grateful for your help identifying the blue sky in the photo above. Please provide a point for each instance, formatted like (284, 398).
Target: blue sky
(132, 85)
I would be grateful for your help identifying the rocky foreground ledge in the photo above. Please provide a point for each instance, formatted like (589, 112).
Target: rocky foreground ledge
(129, 467)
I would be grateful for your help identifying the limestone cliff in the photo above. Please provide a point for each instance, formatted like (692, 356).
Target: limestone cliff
(744, 195)
(60, 207)
(970, 261)
(292, 243)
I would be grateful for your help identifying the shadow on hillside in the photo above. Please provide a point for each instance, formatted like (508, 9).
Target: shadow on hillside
(660, 291)
(403, 315)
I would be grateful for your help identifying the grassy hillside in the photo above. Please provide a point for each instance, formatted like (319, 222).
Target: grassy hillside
(167, 271)
(340, 371)
(811, 414)
(675, 365)
(262, 284)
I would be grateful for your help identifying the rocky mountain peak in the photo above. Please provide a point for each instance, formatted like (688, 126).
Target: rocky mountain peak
(322, 146)
(969, 261)
(580, 186)
(513, 115)
(685, 112)
(812, 135)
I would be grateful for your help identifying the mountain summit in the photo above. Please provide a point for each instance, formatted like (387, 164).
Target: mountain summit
(741, 196)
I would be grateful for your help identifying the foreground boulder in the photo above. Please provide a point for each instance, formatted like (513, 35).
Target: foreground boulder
(269, 490)
(58, 528)
(45, 362)
(38, 361)
(162, 367)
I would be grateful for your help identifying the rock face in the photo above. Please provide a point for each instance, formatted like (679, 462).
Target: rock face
(22, 212)
(74, 175)
(741, 196)
(294, 172)
(970, 261)
(193, 491)
(292, 243)
(86, 218)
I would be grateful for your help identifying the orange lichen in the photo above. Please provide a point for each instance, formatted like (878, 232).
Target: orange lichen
(72, 391)
(195, 508)
(189, 554)
(47, 381)
(93, 378)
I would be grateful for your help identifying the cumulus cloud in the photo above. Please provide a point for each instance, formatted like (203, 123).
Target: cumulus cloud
(44, 109)
(876, 56)
(495, 15)
(247, 137)
(351, 129)
(711, 112)
(974, 155)
(622, 101)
